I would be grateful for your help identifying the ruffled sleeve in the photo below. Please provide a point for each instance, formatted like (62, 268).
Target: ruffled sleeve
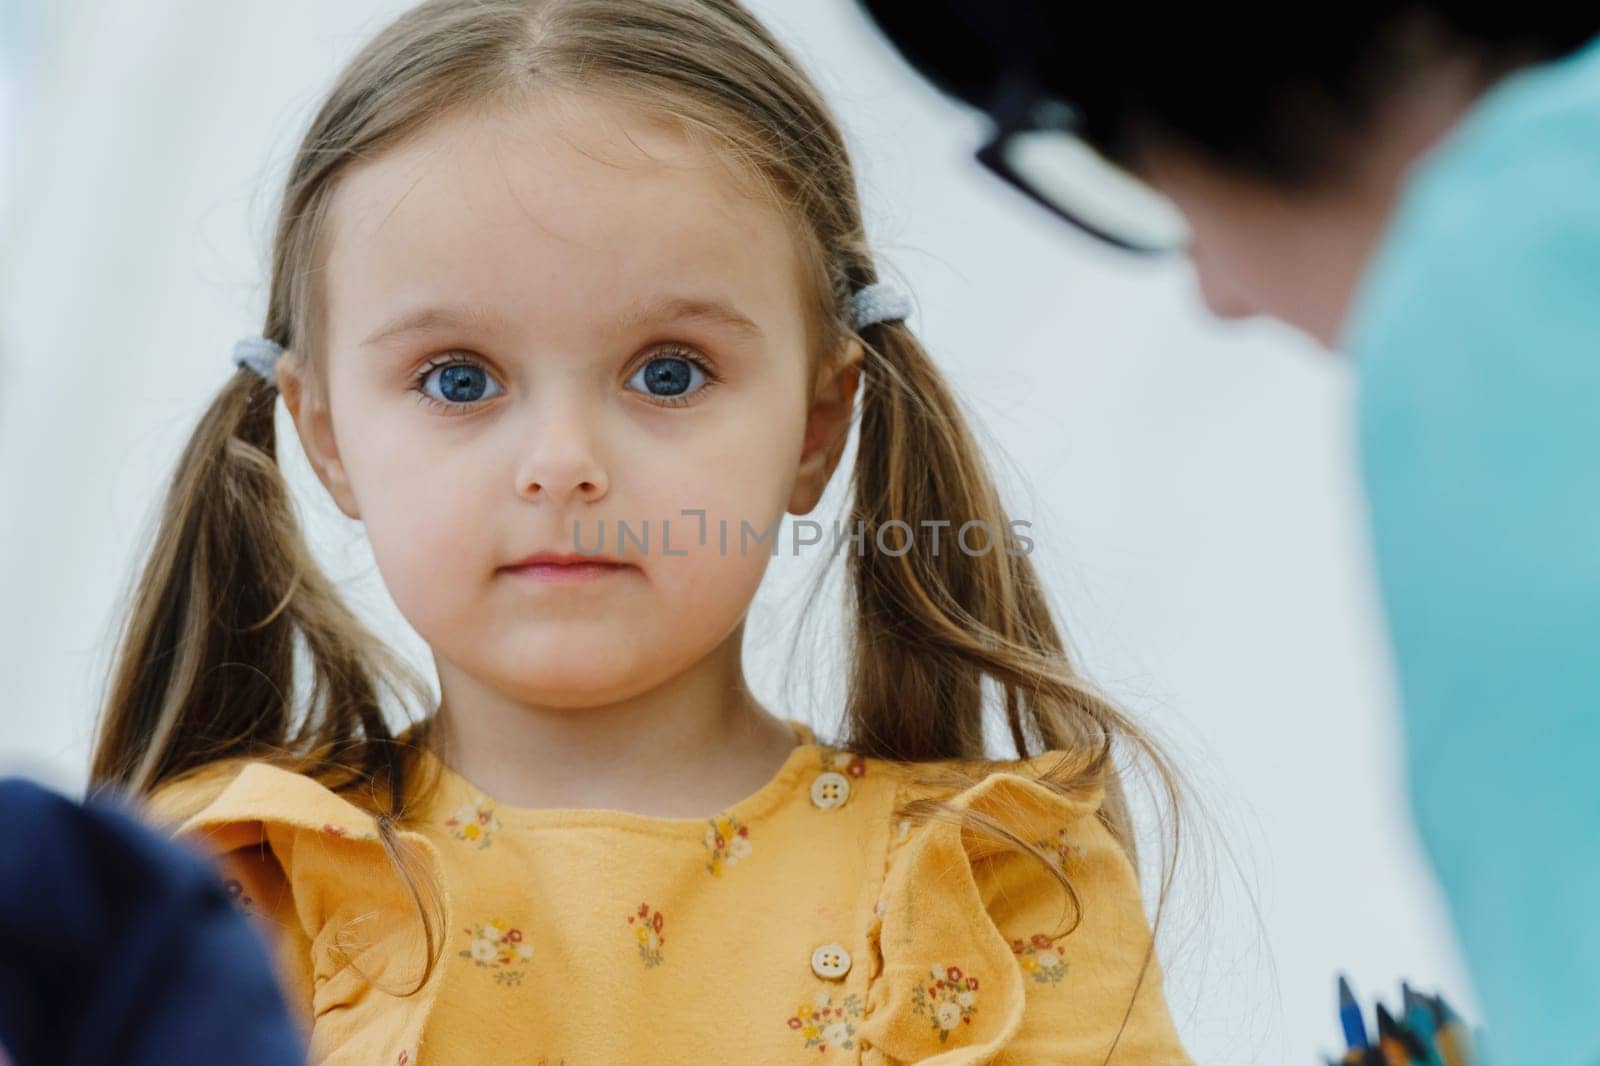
(345, 930)
(971, 965)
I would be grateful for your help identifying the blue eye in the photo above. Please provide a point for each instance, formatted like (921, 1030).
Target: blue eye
(458, 382)
(672, 376)
(461, 382)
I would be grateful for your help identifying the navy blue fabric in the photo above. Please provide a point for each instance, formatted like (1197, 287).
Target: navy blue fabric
(118, 945)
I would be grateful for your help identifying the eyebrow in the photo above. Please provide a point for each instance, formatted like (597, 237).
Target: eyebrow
(427, 319)
(666, 308)
(686, 308)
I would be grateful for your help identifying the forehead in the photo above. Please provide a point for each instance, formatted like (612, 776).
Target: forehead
(554, 213)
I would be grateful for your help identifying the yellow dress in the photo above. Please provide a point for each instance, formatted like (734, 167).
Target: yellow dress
(802, 924)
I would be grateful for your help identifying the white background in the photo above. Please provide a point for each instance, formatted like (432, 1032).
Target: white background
(1191, 485)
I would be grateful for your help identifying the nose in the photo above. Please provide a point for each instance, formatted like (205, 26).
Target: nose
(1222, 298)
(560, 461)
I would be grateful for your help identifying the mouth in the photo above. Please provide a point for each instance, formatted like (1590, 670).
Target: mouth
(567, 569)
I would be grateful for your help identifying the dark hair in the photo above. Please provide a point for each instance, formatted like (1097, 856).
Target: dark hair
(1282, 95)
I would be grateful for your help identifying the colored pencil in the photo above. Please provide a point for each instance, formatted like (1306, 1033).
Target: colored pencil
(1427, 1033)
(1394, 1052)
(1355, 1032)
(1455, 1043)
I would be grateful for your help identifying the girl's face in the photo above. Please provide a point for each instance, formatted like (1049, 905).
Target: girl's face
(566, 315)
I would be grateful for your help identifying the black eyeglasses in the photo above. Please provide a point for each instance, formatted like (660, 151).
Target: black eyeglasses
(1036, 149)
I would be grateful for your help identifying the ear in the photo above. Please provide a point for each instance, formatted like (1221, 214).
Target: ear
(827, 427)
(308, 408)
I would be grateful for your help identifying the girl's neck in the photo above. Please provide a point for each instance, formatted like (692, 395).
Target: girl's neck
(685, 749)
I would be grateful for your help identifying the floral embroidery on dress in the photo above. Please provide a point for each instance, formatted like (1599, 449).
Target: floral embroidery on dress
(474, 822)
(647, 926)
(496, 945)
(235, 891)
(824, 1023)
(1065, 848)
(729, 841)
(852, 765)
(340, 831)
(948, 998)
(1041, 957)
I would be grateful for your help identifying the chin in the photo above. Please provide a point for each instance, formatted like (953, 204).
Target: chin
(566, 673)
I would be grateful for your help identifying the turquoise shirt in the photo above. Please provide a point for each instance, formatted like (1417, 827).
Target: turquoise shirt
(1476, 337)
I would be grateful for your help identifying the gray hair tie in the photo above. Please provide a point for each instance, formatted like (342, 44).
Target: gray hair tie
(879, 302)
(259, 354)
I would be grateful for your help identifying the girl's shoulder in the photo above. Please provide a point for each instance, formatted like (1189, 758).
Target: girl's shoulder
(1048, 786)
(177, 799)
(1046, 950)
(252, 791)
(310, 865)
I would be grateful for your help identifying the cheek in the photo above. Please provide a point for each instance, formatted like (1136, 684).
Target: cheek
(741, 469)
(1278, 271)
(423, 509)
(432, 554)
(740, 473)
(1252, 259)
(1229, 246)
(1222, 283)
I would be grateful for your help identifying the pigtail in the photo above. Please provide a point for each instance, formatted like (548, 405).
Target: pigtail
(205, 648)
(931, 626)
(965, 603)
(205, 668)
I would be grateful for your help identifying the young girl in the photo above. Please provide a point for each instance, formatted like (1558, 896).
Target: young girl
(571, 302)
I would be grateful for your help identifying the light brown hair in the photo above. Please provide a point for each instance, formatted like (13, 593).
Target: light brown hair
(230, 597)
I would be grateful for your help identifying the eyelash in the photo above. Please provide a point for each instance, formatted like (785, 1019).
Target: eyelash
(419, 379)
